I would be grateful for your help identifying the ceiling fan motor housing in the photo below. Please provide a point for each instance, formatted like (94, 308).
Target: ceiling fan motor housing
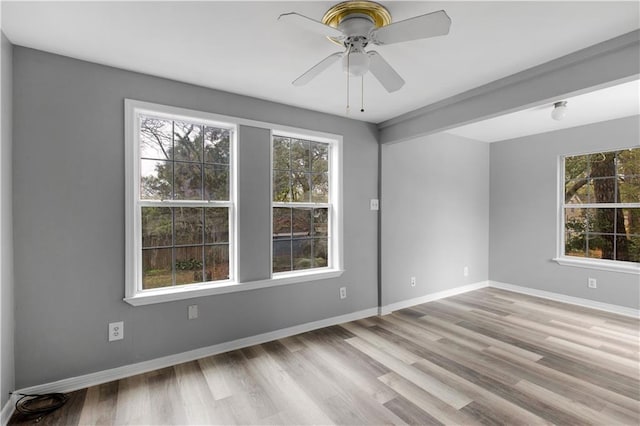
(356, 24)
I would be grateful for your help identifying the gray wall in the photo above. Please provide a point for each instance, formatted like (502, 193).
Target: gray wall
(69, 215)
(435, 215)
(524, 201)
(6, 234)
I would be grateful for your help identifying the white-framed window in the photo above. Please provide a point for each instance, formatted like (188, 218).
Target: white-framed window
(600, 210)
(181, 208)
(180, 179)
(306, 210)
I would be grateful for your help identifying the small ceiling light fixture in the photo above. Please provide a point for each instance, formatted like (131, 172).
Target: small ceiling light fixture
(559, 110)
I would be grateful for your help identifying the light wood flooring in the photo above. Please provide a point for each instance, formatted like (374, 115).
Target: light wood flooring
(484, 357)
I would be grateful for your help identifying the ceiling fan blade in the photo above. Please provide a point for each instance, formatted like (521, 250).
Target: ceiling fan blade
(423, 26)
(315, 70)
(386, 75)
(310, 24)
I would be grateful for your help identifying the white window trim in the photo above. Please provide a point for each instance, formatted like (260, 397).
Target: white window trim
(581, 262)
(133, 257)
(335, 240)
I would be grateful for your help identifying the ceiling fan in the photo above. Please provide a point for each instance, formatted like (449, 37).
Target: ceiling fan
(357, 24)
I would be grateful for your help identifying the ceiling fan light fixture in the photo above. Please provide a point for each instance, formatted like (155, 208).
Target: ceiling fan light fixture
(356, 63)
(559, 110)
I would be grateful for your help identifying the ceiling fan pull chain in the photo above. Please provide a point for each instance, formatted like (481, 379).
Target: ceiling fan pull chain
(362, 94)
(348, 52)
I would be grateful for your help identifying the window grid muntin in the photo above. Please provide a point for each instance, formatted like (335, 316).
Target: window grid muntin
(617, 175)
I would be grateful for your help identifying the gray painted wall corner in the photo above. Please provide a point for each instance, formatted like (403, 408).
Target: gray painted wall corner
(435, 215)
(7, 370)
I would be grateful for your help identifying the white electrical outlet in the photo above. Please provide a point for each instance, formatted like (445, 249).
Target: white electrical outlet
(343, 292)
(116, 331)
(413, 281)
(593, 283)
(193, 312)
(374, 204)
(465, 271)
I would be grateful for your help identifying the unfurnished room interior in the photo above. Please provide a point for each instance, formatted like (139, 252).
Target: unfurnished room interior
(317, 212)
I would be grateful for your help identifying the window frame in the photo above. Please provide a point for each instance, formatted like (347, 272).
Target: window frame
(181, 292)
(134, 293)
(334, 204)
(585, 262)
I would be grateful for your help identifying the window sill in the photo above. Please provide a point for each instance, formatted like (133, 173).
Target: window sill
(602, 265)
(188, 292)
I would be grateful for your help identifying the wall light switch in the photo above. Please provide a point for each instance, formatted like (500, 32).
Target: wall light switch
(374, 204)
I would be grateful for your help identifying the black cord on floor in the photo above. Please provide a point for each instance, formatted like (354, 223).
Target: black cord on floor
(40, 405)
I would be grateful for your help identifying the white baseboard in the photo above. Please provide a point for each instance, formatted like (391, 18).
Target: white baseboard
(105, 376)
(8, 409)
(387, 309)
(615, 309)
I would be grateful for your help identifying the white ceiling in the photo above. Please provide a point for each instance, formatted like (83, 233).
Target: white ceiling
(620, 100)
(240, 46)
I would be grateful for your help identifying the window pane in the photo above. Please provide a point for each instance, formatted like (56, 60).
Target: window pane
(281, 222)
(631, 219)
(629, 189)
(281, 153)
(188, 225)
(282, 256)
(600, 246)
(578, 191)
(156, 226)
(188, 181)
(320, 188)
(216, 225)
(156, 178)
(629, 162)
(216, 145)
(576, 167)
(320, 252)
(623, 246)
(188, 265)
(320, 222)
(187, 141)
(575, 220)
(601, 221)
(634, 248)
(155, 138)
(575, 244)
(281, 186)
(604, 190)
(217, 262)
(302, 254)
(156, 268)
(300, 184)
(300, 155)
(603, 164)
(216, 182)
(319, 157)
(301, 223)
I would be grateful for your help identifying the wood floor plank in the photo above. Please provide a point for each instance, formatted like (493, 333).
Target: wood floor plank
(440, 390)
(487, 357)
(584, 414)
(133, 404)
(283, 390)
(410, 413)
(436, 408)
